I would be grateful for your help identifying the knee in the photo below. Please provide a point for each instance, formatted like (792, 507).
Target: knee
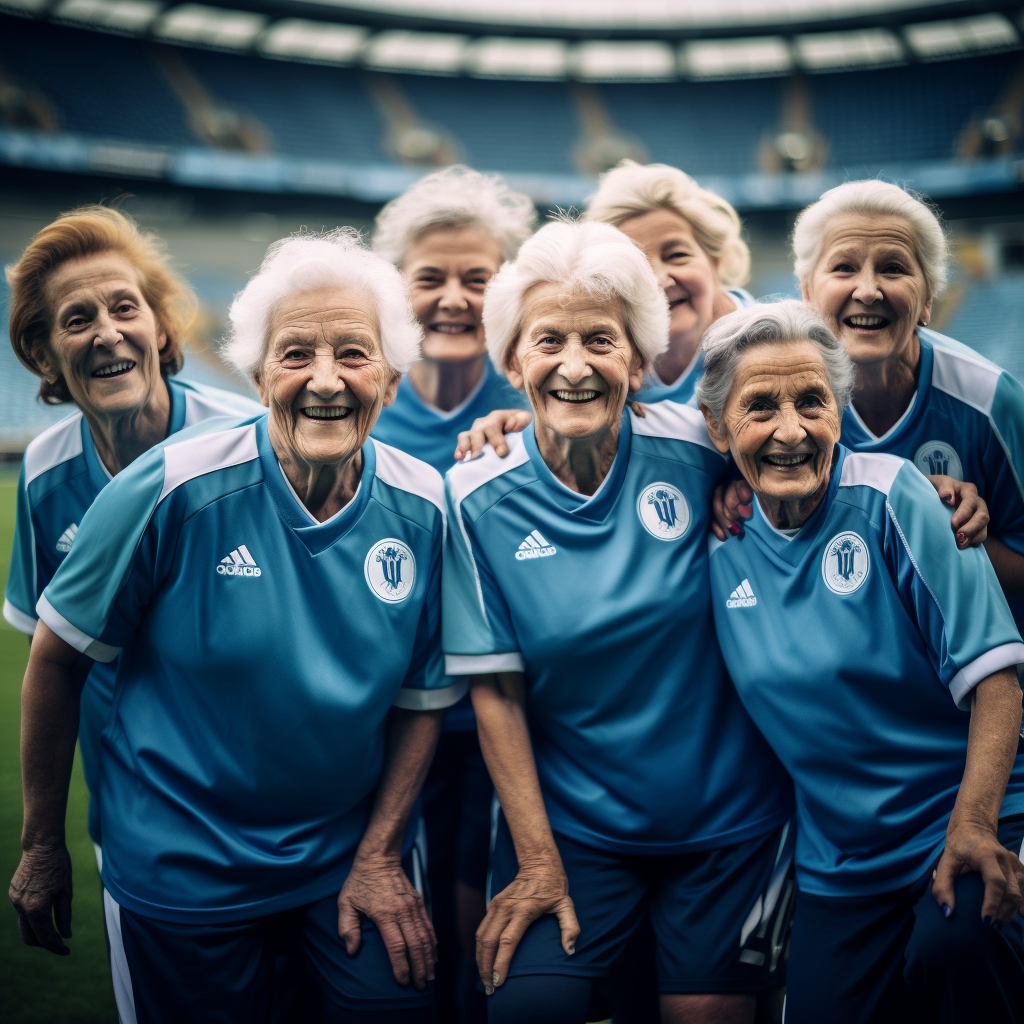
(540, 999)
(940, 944)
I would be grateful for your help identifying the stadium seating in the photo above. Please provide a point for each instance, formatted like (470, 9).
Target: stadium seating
(988, 319)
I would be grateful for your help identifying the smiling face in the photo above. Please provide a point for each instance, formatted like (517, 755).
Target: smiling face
(105, 340)
(446, 272)
(781, 421)
(684, 270)
(574, 360)
(869, 287)
(324, 376)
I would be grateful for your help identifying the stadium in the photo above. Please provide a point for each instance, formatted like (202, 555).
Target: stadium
(224, 128)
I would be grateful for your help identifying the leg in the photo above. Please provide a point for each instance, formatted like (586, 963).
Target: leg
(540, 999)
(707, 1009)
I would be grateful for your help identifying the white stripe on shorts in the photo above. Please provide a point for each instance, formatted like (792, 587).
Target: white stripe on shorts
(119, 973)
(99, 857)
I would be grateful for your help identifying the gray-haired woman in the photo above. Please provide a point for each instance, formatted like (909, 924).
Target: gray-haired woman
(274, 585)
(879, 662)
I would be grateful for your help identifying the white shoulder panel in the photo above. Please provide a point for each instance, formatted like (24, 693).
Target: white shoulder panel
(401, 470)
(972, 380)
(203, 403)
(207, 453)
(672, 420)
(868, 469)
(56, 444)
(465, 477)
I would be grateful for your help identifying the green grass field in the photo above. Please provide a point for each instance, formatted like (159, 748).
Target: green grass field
(37, 986)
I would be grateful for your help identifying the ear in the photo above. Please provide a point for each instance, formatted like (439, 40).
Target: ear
(638, 366)
(926, 313)
(718, 439)
(42, 356)
(392, 390)
(513, 370)
(805, 292)
(261, 388)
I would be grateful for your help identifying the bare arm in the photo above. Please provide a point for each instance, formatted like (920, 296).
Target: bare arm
(41, 887)
(1009, 566)
(540, 886)
(971, 843)
(377, 886)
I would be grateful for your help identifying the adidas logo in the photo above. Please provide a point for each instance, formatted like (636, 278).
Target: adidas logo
(742, 597)
(238, 563)
(67, 538)
(535, 546)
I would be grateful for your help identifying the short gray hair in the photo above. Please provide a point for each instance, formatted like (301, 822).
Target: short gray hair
(873, 198)
(632, 189)
(453, 198)
(581, 256)
(308, 262)
(768, 323)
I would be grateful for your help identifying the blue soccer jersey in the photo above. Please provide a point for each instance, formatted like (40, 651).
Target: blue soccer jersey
(640, 742)
(855, 645)
(965, 421)
(682, 390)
(60, 477)
(259, 653)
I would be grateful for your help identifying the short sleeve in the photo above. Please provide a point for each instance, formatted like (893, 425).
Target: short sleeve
(96, 598)
(20, 595)
(1005, 460)
(478, 637)
(425, 687)
(953, 595)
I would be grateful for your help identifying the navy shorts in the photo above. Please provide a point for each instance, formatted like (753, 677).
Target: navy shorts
(719, 916)
(893, 957)
(165, 972)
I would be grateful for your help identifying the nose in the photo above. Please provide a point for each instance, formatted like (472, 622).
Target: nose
(790, 430)
(574, 366)
(661, 272)
(867, 289)
(107, 332)
(452, 297)
(325, 379)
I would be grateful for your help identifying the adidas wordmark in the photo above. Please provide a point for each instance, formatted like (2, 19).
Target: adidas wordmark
(742, 597)
(535, 546)
(238, 563)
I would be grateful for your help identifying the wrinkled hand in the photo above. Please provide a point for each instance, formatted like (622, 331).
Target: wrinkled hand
(41, 894)
(380, 891)
(970, 516)
(531, 894)
(731, 504)
(491, 429)
(975, 848)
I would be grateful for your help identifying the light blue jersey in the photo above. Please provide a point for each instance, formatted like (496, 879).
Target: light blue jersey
(855, 646)
(259, 654)
(966, 421)
(60, 477)
(430, 435)
(641, 743)
(682, 390)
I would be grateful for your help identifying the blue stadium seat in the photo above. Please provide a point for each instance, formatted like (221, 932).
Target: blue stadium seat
(988, 319)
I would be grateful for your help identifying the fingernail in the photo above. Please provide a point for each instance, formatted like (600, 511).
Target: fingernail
(497, 979)
(734, 530)
(571, 949)
(961, 537)
(489, 990)
(946, 910)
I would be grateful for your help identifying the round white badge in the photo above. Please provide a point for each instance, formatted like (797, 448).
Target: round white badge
(390, 570)
(936, 458)
(845, 564)
(663, 511)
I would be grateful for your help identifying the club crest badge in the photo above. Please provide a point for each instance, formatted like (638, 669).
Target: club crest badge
(845, 564)
(390, 570)
(663, 511)
(936, 458)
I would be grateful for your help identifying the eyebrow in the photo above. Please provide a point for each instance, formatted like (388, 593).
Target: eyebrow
(441, 270)
(81, 307)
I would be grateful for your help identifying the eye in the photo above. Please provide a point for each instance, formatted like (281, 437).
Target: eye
(76, 323)
(678, 254)
(124, 307)
(893, 269)
(549, 340)
(843, 268)
(601, 341)
(351, 354)
(811, 402)
(477, 282)
(294, 354)
(761, 405)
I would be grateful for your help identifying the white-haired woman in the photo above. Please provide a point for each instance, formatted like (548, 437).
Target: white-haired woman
(448, 234)
(274, 587)
(879, 662)
(575, 595)
(693, 240)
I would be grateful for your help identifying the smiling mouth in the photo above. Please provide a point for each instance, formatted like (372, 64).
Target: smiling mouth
(447, 328)
(867, 323)
(325, 412)
(780, 461)
(583, 395)
(118, 369)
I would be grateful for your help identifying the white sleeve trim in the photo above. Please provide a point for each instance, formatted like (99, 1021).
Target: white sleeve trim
(483, 664)
(73, 635)
(431, 700)
(18, 619)
(1003, 656)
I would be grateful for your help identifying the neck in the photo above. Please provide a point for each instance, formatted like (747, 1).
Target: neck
(325, 488)
(581, 463)
(789, 515)
(121, 438)
(883, 391)
(446, 384)
(682, 348)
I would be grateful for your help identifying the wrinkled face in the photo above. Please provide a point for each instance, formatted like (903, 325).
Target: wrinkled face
(574, 360)
(446, 272)
(105, 340)
(324, 376)
(684, 270)
(781, 422)
(869, 286)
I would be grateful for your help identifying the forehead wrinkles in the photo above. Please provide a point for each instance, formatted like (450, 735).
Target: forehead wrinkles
(893, 236)
(780, 379)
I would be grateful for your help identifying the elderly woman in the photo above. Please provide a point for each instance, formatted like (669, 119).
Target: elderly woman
(878, 661)
(97, 313)
(628, 774)
(448, 234)
(272, 587)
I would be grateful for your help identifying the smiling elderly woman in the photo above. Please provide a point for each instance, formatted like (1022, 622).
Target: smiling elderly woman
(576, 596)
(878, 661)
(274, 586)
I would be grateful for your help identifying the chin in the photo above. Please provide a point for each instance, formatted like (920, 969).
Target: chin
(453, 349)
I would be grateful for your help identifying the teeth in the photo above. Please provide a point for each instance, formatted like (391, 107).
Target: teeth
(787, 460)
(867, 321)
(452, 328)
(575, 396)
(114, 369)
(326, 412)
